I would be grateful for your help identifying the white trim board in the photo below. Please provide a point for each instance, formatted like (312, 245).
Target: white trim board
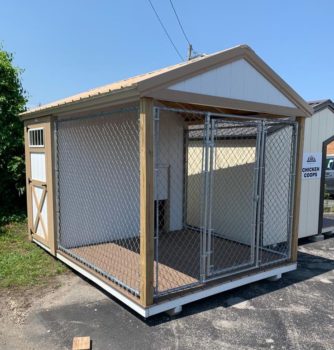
(42, 245)
(186, 299)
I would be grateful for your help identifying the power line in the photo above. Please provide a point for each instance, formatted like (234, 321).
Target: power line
(191, 52)
(165, 30)
(180, 24)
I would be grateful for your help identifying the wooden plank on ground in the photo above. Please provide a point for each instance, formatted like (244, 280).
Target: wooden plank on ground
(81, 343)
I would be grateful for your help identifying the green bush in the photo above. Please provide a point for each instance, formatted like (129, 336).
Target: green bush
(12, 171)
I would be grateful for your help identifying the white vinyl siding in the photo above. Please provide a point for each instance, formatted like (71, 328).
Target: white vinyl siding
(237, 80)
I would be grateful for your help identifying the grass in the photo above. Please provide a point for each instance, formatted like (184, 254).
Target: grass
(23, 263)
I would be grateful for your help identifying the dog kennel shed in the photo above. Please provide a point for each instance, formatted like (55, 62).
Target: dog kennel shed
(319, 132)
(170, 186)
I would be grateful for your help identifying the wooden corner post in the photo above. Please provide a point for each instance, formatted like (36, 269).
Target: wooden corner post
(50, 173)
(146, 202)
(298, 179)
(27, 168)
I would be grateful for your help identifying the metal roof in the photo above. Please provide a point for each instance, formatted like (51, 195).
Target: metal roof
(112, 87)
(143, 85)
(319, 105)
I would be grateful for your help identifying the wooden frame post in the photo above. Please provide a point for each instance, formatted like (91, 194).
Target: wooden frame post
(146, 202)
(27, 168)
(50, 174)
(298, 179)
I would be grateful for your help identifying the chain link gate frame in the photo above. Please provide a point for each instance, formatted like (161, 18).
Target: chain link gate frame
(263, 252)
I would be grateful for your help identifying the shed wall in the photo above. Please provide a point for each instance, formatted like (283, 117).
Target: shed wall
(171, 165)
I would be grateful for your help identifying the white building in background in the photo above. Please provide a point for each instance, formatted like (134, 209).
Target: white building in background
(319, 132)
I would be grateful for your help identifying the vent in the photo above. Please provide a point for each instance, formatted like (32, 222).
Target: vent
(36, 137)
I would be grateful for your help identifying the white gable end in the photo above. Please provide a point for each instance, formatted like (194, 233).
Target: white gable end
(236, 80)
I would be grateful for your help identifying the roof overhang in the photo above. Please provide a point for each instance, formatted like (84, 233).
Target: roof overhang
(91, 103)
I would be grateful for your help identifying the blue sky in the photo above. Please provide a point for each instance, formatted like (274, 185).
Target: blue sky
(70, 46)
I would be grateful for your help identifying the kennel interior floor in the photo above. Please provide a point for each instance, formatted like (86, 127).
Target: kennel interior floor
(179, 258)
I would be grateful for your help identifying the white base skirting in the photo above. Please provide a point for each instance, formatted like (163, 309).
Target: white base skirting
(182, 300)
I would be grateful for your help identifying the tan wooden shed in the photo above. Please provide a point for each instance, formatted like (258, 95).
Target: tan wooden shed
(171, 186)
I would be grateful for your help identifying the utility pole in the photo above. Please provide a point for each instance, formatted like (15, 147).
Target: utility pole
(190, 51)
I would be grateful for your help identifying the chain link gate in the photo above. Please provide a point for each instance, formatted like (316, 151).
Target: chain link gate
(233, 152)
(223, 196)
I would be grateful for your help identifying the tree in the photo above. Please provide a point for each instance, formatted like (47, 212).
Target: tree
(12, 102)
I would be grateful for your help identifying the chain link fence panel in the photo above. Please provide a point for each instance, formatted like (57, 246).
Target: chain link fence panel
(98, 194)
(278, 185)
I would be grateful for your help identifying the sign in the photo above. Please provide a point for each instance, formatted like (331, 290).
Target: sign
(311, 168)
